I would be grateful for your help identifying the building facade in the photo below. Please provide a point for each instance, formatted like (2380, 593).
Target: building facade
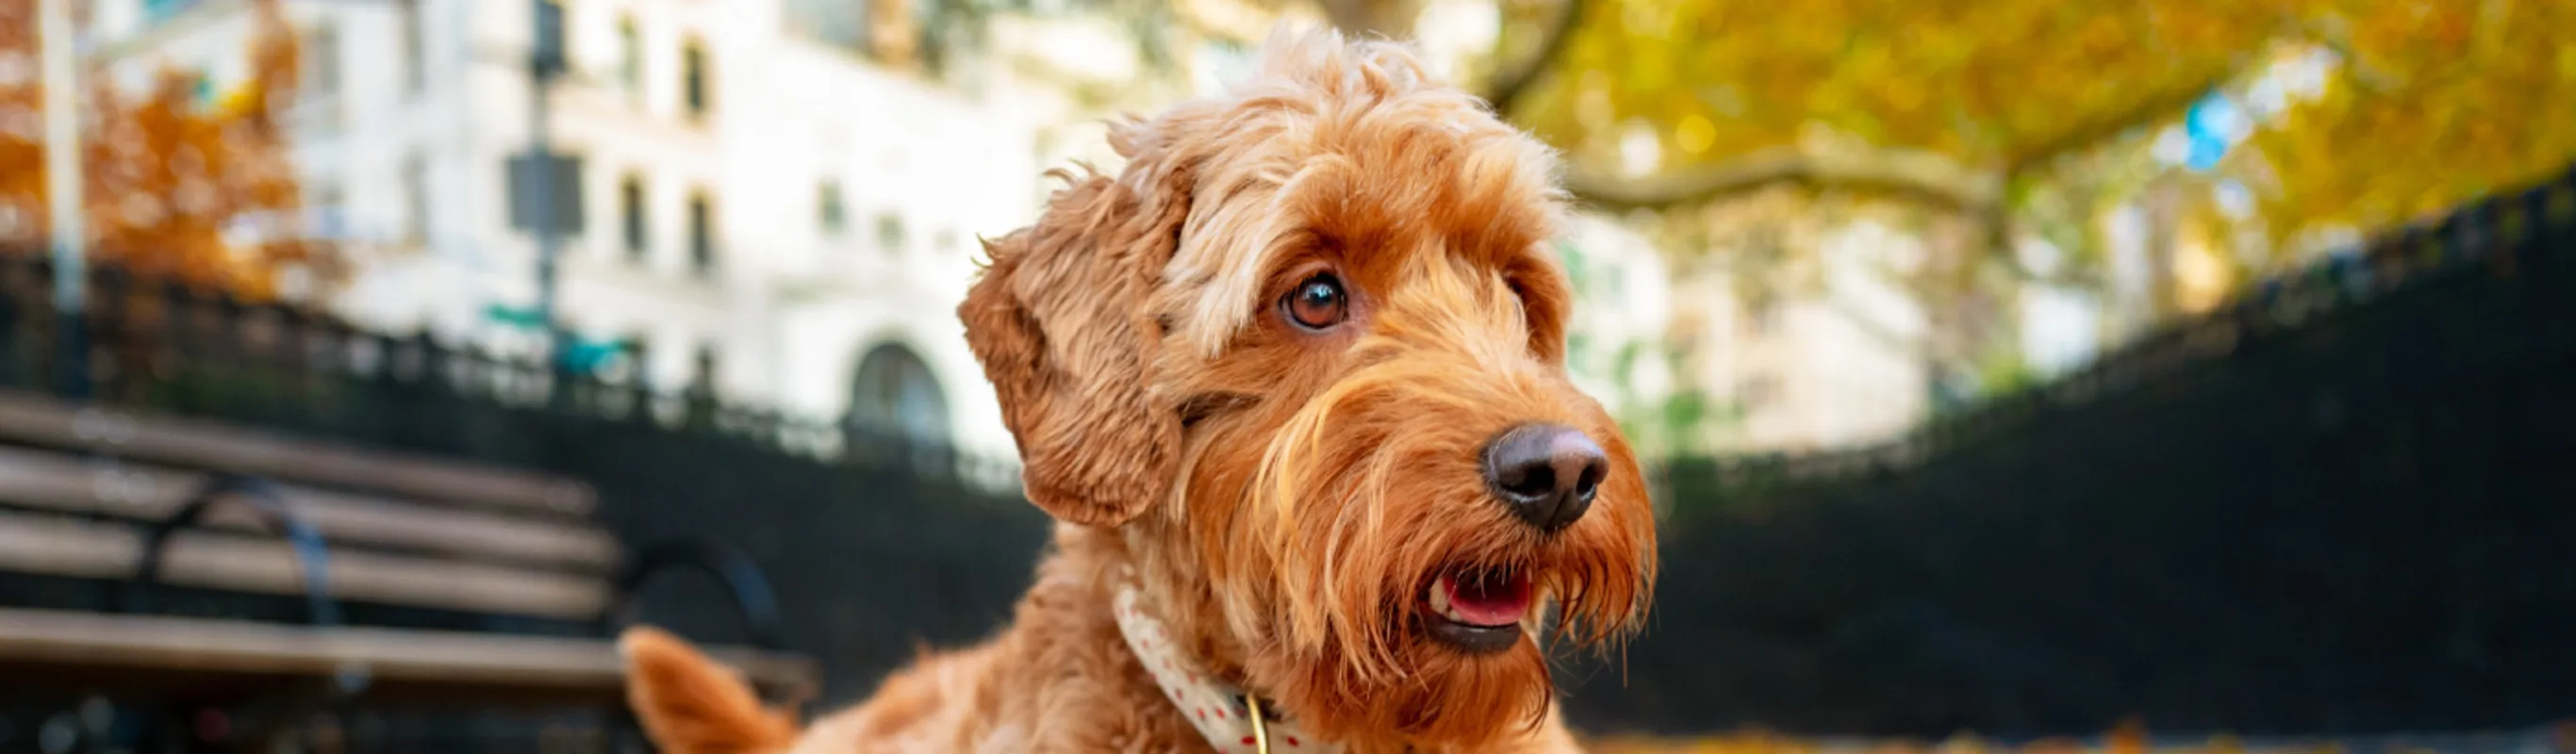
(1798, 336)
(767, 208)
(781, 200)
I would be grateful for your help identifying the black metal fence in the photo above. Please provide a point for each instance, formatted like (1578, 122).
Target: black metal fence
(2345, 504)
(876, 545)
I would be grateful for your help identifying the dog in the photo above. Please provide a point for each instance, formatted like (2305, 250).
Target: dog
(1293, 386)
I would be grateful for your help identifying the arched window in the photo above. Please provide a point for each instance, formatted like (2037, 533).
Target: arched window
(633, 226)
(694, 92)
(630, 60)
(702, 234)
(894, 393)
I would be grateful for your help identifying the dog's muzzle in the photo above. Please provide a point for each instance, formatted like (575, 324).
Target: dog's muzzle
(1546, 474)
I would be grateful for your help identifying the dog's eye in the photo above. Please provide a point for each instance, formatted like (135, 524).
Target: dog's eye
(1318, 303)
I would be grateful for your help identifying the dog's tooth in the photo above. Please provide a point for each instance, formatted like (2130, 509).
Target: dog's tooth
(1440, 601)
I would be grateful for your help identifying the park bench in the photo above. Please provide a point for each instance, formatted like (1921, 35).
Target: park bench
(135, 505)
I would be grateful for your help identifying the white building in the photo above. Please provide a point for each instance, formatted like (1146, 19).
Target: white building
(1616, 347)
(1832, 355)
(763, 204)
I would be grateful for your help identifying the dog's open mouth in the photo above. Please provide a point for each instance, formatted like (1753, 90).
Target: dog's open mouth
(1477, 610)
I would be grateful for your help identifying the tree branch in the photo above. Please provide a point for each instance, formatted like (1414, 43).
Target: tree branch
(1924, 178)
(2364, 72)
(2144, 111)
(1509, 83)
(1914, 176)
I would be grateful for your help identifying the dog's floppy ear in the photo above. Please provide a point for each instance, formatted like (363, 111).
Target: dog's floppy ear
(690, 705)
(1060, 320)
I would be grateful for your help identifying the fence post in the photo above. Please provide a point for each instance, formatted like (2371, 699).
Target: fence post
(9, 340)
(71, 344)
(113, 333)
(702, 410)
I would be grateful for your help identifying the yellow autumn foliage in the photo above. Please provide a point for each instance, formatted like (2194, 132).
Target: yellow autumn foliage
(163, 177)
(2438, 101)
(1985, 83)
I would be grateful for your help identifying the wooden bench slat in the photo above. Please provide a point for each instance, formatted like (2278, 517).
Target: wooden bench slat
(200, 444)
(445, 658)
(72, 484)
(67, 546)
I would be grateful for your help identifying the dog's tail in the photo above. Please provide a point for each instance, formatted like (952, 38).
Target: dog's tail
(689, 704)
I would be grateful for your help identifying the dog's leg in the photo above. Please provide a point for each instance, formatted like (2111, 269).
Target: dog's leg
(689, 704)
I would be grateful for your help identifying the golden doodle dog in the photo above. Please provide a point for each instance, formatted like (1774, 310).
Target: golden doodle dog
(1293, 385)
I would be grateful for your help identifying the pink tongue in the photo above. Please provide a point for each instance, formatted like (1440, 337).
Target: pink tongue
(1499, 603)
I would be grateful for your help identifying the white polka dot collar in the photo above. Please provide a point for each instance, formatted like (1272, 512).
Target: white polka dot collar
(1219, 709)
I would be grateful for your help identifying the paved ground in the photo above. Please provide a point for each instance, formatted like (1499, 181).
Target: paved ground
(2559, 739)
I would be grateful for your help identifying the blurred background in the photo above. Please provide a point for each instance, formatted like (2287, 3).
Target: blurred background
(2059, 375)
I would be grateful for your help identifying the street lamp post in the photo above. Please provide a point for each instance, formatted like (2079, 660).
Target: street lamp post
(63, 193)
(545, 64)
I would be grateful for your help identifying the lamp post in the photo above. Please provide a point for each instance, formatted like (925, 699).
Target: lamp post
(63, 193)
(545, 64)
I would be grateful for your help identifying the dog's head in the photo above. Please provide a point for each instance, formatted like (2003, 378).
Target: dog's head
(1306, 355)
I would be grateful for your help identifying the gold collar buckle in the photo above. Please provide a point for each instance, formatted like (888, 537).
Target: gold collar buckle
(1260, 724)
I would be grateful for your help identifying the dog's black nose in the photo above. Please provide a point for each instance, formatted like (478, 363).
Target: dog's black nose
(1545, 473)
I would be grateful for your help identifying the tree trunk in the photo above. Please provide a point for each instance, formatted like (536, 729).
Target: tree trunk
(2163, 207)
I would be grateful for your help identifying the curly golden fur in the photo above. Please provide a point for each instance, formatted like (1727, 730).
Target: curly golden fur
(1280, 495)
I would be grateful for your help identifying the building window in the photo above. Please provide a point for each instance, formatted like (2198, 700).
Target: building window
(321, 57)
(415, 67)
(829, 214)
(1758, 391)
(890, 232)
(630, 61)
(630, 217)
(894, 393)
(839, 23)
(318, 75)
(415, 188)
(693, 78)
(702, 246)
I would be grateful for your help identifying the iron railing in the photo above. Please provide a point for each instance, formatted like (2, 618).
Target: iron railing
(875, 544)
(2343, 503)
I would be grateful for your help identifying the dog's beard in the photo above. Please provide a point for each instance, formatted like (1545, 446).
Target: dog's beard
(1356, 505)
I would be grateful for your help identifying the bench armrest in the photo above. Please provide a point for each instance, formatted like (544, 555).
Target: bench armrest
(741, 577)
(310, 552)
